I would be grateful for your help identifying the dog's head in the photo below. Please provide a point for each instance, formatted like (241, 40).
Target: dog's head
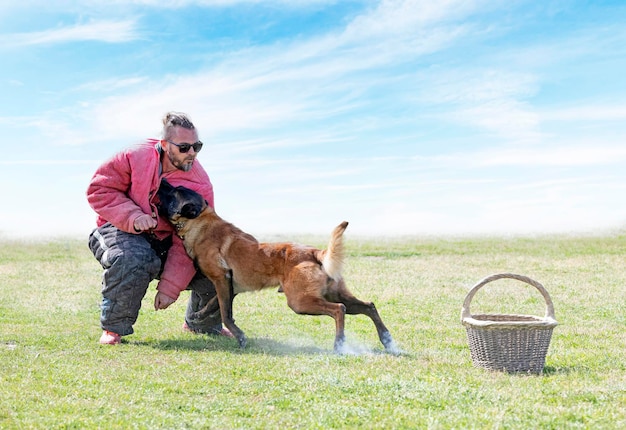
(179, 203)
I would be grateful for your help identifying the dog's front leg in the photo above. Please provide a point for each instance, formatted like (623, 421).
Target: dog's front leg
(225, 297)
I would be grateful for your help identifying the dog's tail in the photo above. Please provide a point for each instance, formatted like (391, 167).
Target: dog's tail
(332, 261)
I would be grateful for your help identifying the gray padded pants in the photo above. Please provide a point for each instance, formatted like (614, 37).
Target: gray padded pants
(131, 262)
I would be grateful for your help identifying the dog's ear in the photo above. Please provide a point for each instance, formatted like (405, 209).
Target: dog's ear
(165, 185)
(164, 197)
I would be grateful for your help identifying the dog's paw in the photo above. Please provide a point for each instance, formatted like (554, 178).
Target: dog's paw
(340, 346)
(390, 345)
(242, 341)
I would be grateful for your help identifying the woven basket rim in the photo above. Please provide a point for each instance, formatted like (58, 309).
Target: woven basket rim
(530, 322)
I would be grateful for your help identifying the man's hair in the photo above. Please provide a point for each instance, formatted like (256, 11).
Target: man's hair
(175, 119)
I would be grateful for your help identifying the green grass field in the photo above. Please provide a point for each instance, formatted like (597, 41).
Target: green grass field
(54, 374)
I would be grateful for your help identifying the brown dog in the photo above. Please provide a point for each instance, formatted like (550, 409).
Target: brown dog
(236, 262)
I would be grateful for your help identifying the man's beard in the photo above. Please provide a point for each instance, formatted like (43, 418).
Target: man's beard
(184, 165)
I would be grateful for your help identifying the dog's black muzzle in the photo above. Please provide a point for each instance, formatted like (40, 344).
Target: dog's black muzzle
(179, 202)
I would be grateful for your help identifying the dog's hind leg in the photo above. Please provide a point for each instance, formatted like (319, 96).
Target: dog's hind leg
(311, 305)
(354, 306)
(369, 309)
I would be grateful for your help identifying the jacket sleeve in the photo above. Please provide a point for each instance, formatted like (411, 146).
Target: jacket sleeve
(178, 271)
(108, 190)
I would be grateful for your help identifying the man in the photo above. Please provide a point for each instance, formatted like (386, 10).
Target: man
(134, 244)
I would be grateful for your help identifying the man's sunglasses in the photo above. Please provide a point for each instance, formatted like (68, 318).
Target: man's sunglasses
(185, 147)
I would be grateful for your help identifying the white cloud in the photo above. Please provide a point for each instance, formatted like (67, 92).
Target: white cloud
(111, 85)
(175, 4)
(102, 31)
(277, 119)
(590, 112)
(263, 87)
(588, 154)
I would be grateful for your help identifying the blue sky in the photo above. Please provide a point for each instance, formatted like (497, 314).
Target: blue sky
(402, 117)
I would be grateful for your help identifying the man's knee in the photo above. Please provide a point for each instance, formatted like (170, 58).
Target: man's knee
(136, 263)
(202, 285)
(121, 251)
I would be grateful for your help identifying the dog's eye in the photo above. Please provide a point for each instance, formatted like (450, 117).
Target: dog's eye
(189, 210)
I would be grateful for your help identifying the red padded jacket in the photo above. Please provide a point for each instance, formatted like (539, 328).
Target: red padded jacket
(125, 187)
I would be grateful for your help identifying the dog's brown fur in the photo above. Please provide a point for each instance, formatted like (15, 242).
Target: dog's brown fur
(236, 262)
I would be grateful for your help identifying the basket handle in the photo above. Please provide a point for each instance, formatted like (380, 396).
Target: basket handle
(465, 313)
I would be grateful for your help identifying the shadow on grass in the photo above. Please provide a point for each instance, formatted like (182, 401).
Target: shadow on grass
(263, 346)
(254, 346)
(548, 371)
(555, 371)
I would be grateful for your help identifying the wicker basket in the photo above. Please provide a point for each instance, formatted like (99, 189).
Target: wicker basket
(511, 343)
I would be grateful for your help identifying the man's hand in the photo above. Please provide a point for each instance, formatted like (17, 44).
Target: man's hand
(144, 223)
(161, 301)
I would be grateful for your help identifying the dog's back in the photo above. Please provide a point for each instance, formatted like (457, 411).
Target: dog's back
(263, 265)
